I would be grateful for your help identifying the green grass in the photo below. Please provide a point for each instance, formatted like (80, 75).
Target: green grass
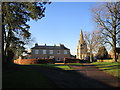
(63, 67)
(76, 64)
(25, 77)
(108, 67)
(60, 66)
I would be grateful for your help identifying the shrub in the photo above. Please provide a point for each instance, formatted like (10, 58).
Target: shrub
(34, 61)
(69, 60)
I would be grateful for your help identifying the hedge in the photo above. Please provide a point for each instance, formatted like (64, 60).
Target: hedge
(68, 60)
(34, 61)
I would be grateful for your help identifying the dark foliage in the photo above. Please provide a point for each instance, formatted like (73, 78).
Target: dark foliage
(15, 16)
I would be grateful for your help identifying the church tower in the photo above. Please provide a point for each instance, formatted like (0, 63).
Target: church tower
(82, 47)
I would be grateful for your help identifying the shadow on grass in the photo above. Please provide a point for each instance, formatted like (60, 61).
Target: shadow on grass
(37, 76)
(24, 76)
(109, 66)
(112, 67)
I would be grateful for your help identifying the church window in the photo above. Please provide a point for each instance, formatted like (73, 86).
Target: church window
(81, 45)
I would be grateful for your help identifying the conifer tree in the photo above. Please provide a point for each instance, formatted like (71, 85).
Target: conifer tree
(15, 29)
(102, 53)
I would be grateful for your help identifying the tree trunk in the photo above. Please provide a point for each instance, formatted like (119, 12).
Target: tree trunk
(114, 44)
(114, 55)
(3, 38)
(91, 58)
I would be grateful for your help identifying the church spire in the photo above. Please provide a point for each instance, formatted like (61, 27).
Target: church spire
(82, 47)
(81, 37)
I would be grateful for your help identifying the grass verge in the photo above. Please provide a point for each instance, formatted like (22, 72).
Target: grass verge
(109, 67)
(60, 66)
(76, 64)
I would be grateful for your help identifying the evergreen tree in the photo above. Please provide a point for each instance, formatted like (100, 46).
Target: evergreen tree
(102, 53)
(15, 16)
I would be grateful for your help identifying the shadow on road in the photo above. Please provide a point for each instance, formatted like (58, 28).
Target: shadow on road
(61, 78)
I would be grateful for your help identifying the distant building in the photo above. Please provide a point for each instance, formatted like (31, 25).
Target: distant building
(117, 53)
(82, 47)
(45, 52)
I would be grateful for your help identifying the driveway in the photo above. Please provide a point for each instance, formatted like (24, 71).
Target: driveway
(94, 73)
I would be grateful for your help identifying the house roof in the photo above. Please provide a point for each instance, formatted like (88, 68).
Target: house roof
(50, 47)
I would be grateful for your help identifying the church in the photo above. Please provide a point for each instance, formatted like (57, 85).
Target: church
(81, 48)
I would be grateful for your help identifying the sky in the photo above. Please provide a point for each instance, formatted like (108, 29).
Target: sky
(62, 24)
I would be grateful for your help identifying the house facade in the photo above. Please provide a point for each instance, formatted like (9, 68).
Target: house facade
(47, 52)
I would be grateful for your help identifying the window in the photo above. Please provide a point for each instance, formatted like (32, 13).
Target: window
(51, 57)
(65, 52)
(58, 51)
(51, 51)
(36, 51)
(44, 51)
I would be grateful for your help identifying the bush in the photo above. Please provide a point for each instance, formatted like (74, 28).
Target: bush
(34, 61)
(68, 60)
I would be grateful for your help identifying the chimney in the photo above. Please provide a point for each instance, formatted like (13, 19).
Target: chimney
(45, 44)
(61, 45)
(36, 44)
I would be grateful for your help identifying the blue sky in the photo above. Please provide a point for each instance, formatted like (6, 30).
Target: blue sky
(62, 24)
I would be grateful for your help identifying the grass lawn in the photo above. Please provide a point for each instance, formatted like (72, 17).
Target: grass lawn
(111, 68)
(25, 77)
(60, 66)
(76, 64)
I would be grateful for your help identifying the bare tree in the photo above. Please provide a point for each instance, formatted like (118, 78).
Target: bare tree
(92, 40)
(107, 18)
